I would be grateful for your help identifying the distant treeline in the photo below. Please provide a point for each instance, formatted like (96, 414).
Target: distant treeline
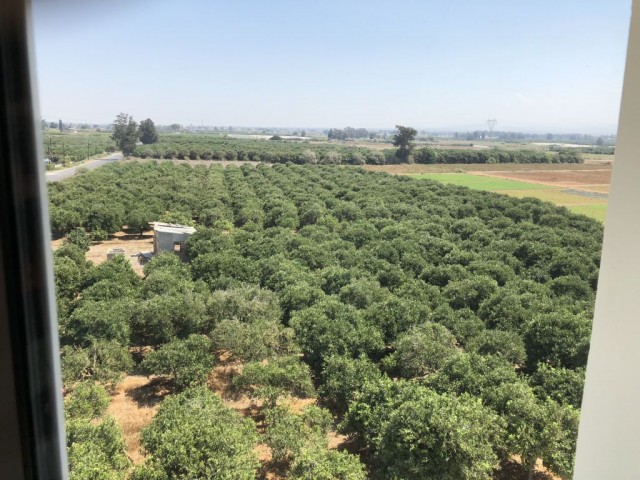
(348, 132)
(215, 147)
(575, 138)
(494, 155)
(608, 150)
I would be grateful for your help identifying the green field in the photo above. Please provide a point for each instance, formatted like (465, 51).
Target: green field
(594, 211)
(480, 182)
(591, 207)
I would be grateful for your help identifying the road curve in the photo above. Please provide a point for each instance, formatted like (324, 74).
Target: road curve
(56, 176)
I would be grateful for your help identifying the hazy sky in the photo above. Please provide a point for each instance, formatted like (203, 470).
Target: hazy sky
(543, 65)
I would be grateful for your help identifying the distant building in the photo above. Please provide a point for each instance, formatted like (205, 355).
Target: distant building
(170, 237)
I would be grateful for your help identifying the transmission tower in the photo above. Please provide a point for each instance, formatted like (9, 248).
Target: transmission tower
(491, 124)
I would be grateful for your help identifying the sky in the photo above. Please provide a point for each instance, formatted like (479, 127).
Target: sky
(535, 66)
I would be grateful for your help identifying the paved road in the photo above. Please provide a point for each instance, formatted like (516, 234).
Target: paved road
(56, 176)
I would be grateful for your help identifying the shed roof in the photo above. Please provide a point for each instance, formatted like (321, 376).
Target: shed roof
(171, 228)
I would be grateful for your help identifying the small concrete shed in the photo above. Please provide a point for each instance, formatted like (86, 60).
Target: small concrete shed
(170, 237)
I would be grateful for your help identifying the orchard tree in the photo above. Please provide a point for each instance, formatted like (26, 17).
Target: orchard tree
(89, 400)
(78, 237)
(537, 428)
(190, 361)
(103, 361)
(256, 341)
(148, 133)
(194, 435)
(138, 219)
(422, 350)
(412, 432)
(278, 377)
(323, 464)
(287, 434)
(97, 451)
(343, 378)
(403, 139)
(125, 133)
(439, 436)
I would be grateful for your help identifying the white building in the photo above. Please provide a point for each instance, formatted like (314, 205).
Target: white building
(170, 237)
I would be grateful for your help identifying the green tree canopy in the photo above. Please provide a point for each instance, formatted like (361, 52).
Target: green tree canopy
(422, 350)
(418, 434)
(189, 361)
(96, 450)
(147, 131)
(279, 376)
(125, 133)
(194, 435)
(323, 464)
(403, 139)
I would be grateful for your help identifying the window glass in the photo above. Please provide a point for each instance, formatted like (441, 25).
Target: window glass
(333, 240)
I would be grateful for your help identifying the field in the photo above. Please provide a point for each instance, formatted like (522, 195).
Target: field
(478, 182)
(321, 319)
(581, 188)
(65, 147)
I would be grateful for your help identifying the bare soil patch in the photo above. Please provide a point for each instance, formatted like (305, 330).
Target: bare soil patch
(132, 244)
(513, 470)
(133, 405)
(559, 178)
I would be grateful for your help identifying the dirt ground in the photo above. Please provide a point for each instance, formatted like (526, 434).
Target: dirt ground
(133, 405)
(512, 470)
(484, 167)
(581, 179)
(137, 398)
(132, 245)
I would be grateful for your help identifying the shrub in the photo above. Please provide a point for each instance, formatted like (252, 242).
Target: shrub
(276, 377)
(194, 435)
(189, 361)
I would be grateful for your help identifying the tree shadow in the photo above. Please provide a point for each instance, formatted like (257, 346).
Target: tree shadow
(152, 393)
(270, 469)
(514, 470)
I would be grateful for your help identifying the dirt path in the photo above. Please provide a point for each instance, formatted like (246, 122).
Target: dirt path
(133, 405)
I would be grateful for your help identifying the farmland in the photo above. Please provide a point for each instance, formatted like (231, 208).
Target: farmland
(324, 319)
(479, 182)
(64, 147)
(581, 188)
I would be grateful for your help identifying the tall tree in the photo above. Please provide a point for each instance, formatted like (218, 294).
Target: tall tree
(403, 139)
(60, 125)
(125, 133)
(148, 133)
